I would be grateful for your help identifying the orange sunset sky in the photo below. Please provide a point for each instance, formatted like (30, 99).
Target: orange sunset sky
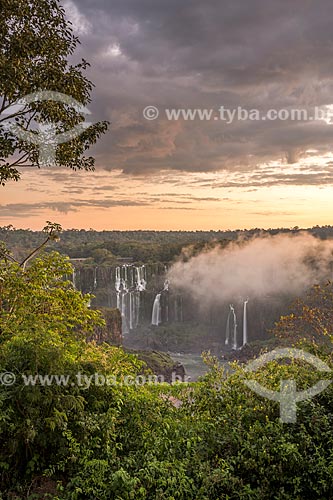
(112, 200)
(172, 175)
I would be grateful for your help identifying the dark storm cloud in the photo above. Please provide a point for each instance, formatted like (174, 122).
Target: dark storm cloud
(34, 209)
(256, 54)
(31, 209)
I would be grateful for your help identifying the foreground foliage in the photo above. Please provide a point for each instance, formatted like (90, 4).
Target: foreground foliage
(210, 440)
(37, 44)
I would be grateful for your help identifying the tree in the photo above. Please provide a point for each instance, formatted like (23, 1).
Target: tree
(36, 43)
(310, 319)
(44, 325)
(52, 231)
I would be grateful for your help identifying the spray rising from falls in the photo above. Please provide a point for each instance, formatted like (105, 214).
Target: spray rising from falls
(262, 268)
(259, 267)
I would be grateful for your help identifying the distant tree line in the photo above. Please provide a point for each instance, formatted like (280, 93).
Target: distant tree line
(106, 247)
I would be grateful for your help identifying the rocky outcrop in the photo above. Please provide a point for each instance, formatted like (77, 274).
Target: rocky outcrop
(252, 350)
(111, 332)
(161, 363)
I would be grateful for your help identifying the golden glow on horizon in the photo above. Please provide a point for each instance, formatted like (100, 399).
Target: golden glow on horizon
(165, 200)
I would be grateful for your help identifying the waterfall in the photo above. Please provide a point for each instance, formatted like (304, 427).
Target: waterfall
(125, 276)
(124, 285)
(138, 275)
(74, 277)
(130, 281)
(131, 303)
(245, 323)
(234, 337)
(118, 279)
(156, 314)
(137, 309)
(140, 279)
(227, 329)
(123, 313)
(95, 278)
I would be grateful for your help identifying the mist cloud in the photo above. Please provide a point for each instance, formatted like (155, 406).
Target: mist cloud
(268, 265)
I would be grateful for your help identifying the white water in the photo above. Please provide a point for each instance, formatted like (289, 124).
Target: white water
(137, 309)
(129, 282)
(124, 312)
(131, 311)
(124, 285)
(227, 329)
(234, 337)
(231, 331)
(95, 278)
(118, 280)
(140, 279)
(245, 323)
(156, 314)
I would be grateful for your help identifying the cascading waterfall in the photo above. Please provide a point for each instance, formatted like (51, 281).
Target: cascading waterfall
(95, 278)
(166, 289)
(124, 312)
(140, 279)
(156, 314)
(234, 337)
(131, 310)
(227, 328)
(130, 281)
(156, 317)
(118, 279)
(245, 322)
(231, 330)
(124, 278)
(137, 310)
(125, 286)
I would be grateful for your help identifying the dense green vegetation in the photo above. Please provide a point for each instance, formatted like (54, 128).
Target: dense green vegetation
(210, 440)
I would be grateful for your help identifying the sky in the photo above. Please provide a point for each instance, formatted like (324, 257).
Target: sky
(196, 174)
